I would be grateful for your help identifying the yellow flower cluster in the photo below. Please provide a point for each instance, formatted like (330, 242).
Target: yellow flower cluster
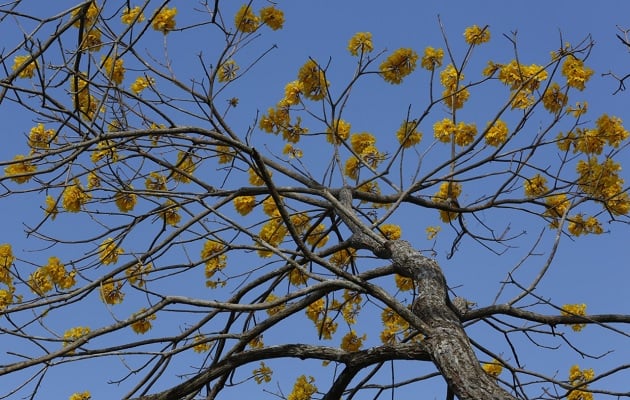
(523, 80)
(403, 283)
(317, 236)
(262, 374)
(20, 170)
(155, 182)
(73, 334)
(6, 260)
(80, 396)
(141, 83)
(602, 182)
(398, 65)
(246, 21)
(360, 43)
(578, 225)
(111, 292)
(114, 70)
(576, 73)
(535, 186)
(579, 379)
(227, 71)
(164, 20)
(554, 100)
(93, 180)
(493, 368)
(608, 130)
(391, 231)
(291, 151)
(92, 40)
(408, 134)
(394, 325)
(497, 133)
(557, 206)
(463, 134)
(364, 144)
(254, 178)
(475, 35)
(574, 309)
(351, 341)
(185, 167)
(454, 96)
(447, 195)
(344, 257)
(432, 231)
(201, 344)
(273, 233)
(28, 70)
(125, 200)
(109, 251)
(105, 149)
(350, 307)
(276, 309)
(313, 79)
(338, 132)
(80, 92)
(432, 58)
(43, 278)
(225, 154)
(297, 277)
(132, 15)
(244, 204)
(137, 274)
(213, 254)
(39, 137)
(142, 325)
(303, 389)
(317, 312)
(89, 17)
(74, 197)
(170, 213)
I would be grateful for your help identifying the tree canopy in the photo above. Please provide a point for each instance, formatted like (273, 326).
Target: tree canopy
(190, 236)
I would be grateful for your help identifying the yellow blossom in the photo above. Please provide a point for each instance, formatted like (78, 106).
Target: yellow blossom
(578, 225)
(213, 254)
(403, 283)
(114, 69)
(447, 195)
(443, 130)
(303, 389)
(51, 207)
(92, 40)
(611, 129)
(6, 260)
(155, 182)
(74, 197)
(297, 277)
(228, 71)
(262, 374)
(39, 138)
(89, 16)
(137, 274)
(579, 379)
(225, 154)
(111, 292)
(275, 309)
(109, 251)
(432, 231)
(164, 20)
(554, 100)
(202, 345)
(245, 20)
(344, 257)
(141, 83)
(81, 396)
(254, 178)
(360, 43)
(493, 368)
(73, 334)
(129, 16)
(317, 237)
(465, 133)
(391, 231)
(313, 81)
(244, 204)
(576, 73)
(557, 206)
(20, 170)
(143, 325)
(105, 149)
(574, 309)
(29, 69)
(39, 282)
(432, 58)
(338, 132)
(6, 298)
(272, 17)
(520, 76)
(408, 134)
(125, 200)
(497, 133)
(292, 152)
(351, 342)
(185, 167)
(398, 65)
(475, 35)
(170, 213)
(292, 92)
(535, 186)
(351, 168)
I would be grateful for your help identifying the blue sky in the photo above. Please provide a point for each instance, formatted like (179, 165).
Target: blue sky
(593, 270)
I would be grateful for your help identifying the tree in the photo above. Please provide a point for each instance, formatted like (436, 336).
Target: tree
(193, 243)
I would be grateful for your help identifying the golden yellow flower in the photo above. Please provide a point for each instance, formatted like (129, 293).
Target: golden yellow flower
(202, 344)
(74, 197)
(391, 231)
(351, 342)
(20, 170)
(170, 213)
(129, 16)
(432, 58)
(125, 200)
(109, 251)
(535, 186)
(313, 79)
(398, 65)
(51, 207)
(554, 100)
(262, 374)
(443, 130)
(475, 35)
(303, 389)
(576, 73)
(92, 40)
(141, 83)
(142, 325)
(339, 131)
(39, 138)
(244, 204)
(254, 178)
(574, 309)
(89, 17)
(272, 17)
(185, 167)
(497, 133)
(493, 368)
(360, 43)
(227, 71)
(111, 292)
(245, 20)
(408, 134)
(164, 20)
(114, 70)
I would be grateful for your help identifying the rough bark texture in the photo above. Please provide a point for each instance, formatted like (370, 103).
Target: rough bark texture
(446, 341)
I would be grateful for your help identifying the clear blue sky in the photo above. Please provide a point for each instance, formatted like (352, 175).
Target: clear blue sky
(591, 270)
